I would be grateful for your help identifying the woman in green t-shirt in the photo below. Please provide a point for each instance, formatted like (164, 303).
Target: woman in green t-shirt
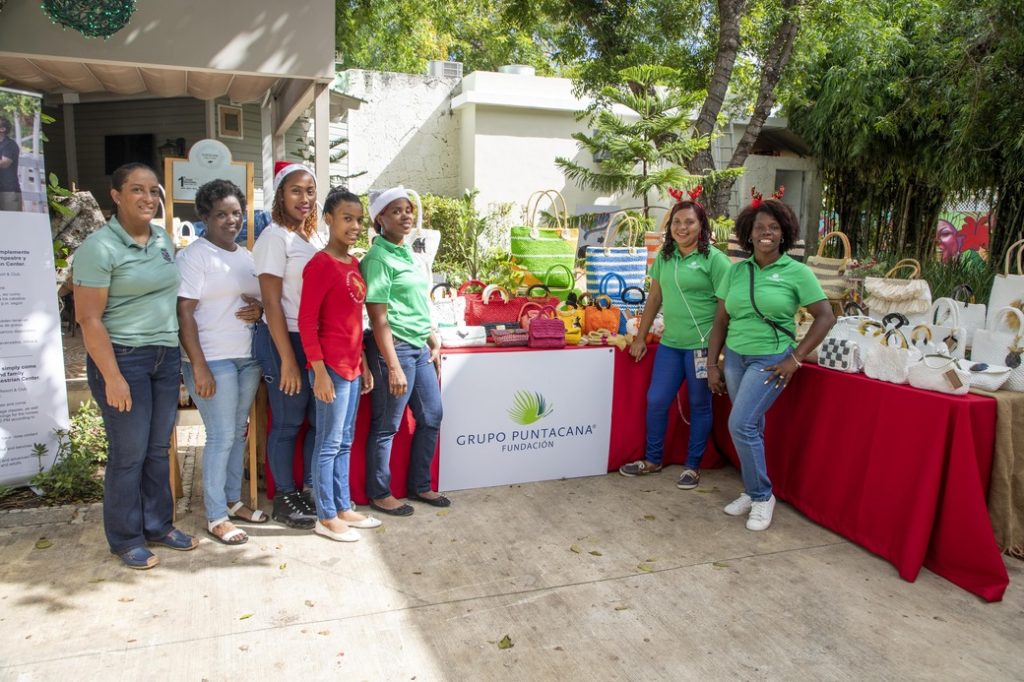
(126, 293)
(758, 300)
(403, 354)
(684, 277)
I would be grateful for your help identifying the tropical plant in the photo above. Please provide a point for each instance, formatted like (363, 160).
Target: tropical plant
(73, 476)
(646, 151)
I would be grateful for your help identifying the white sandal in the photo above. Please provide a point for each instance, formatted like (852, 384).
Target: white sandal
(235, 536)
(257, 514)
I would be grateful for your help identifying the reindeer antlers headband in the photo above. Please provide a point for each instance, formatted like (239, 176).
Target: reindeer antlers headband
(756, 198)
(677, 194)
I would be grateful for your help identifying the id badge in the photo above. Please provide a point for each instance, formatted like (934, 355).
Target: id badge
(700, 363)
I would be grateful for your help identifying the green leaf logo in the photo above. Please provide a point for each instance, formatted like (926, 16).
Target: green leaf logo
(528, 408)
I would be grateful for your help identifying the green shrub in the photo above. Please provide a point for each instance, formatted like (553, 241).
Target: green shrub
(80, 452)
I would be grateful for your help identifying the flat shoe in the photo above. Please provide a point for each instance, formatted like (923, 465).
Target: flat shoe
(176, 539)
(368, 522)
(404, 510)
(348, 536)
(138, 558)
(439, 501)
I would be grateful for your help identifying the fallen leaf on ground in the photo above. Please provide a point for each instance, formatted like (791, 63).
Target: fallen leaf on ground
(97, 580)
(245, 616)
(703, 492)
(283, 566)
(244, 647)
(310, 603)
(125, 600)
(575, 548)
(721, 564)
(505, 643)
(324, 632)
(444, 512)
(646, 568)
(417, 572)
(621, 608)
(649, 517)
(43, 543)
(596, 553)
(558, 648)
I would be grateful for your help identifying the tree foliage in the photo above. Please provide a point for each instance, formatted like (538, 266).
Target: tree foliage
(648, 149)
(910, 107)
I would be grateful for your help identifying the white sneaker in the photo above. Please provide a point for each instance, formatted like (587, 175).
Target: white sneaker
(740, 506)
(761, 514)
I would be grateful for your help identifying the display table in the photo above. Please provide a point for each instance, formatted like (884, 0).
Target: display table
(900, 471)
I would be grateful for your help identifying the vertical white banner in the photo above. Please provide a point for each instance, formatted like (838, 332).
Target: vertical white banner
(33, 392)
(514, 417)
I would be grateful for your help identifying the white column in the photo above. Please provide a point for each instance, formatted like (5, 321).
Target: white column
(267, 131)
(322, 137)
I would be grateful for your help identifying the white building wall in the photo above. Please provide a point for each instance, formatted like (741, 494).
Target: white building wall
(405, 132)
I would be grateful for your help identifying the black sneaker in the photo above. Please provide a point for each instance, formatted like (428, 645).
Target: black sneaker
(290, 509)
(307, 499)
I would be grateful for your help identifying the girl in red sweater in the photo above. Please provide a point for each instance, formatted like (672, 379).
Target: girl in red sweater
(330, 326)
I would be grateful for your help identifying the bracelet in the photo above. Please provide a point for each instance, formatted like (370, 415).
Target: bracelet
(798, 363)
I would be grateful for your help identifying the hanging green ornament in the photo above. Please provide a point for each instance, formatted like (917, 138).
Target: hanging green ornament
(95, 19)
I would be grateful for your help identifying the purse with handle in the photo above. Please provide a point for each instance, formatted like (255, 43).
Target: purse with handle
(942, 326)
(628, 262)
(831, 272)
(535, 250)
(890, 294)
(546, 330)
(601, 315)
(891, 360)
(972, 315)
(1003, 345)
(939, 373)
(450, 309)
(1008, 286)
(510, 337)
(463, 336)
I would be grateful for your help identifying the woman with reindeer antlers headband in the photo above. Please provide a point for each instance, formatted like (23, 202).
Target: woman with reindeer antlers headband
(684, 277)
(757, 302)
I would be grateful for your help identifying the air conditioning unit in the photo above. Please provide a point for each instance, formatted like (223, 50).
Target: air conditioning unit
(440, 69)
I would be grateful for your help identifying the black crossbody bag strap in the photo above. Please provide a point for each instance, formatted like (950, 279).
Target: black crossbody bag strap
(776, 327)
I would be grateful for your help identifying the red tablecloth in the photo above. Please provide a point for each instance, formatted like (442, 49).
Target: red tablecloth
(900, 471)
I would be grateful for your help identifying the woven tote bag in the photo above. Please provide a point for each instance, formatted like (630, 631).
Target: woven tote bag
(831, 272)
(536, 250)
(628, 262)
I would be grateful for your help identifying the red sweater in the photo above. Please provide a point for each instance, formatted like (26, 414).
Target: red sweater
(331, 314)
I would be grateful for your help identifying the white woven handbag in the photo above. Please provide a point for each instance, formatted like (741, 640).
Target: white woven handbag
(985, 376)
(972, 315)
(891, 360)
(842, 355)
(1004, 345)
(941, 325)
(450, 309)
(1008, 286)
(463, 337)
(939, 373)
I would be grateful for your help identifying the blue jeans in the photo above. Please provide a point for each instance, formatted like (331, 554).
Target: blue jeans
(673, 366)
(137, 502)
(288, 412)
(423, 396)
(224, 416)
(336, 426)
(751, 398)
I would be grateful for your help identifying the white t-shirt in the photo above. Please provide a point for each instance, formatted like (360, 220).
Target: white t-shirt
(284, 253)
(217, 279)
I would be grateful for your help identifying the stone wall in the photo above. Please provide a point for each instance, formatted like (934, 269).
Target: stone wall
(405, 132)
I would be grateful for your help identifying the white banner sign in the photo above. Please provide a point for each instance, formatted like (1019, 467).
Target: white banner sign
(515, 417)
(33, 392)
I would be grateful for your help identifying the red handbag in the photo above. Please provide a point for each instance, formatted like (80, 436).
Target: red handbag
(546, 330)
(473, 300)
(545, 297)
(510, 337)
(528, 313)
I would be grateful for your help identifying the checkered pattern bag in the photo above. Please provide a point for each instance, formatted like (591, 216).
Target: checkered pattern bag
(840, 354)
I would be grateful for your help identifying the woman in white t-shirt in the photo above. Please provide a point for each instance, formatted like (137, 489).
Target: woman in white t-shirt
(281, 253)
(217, 306)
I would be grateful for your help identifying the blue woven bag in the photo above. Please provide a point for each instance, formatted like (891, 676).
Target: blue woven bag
(628, 262)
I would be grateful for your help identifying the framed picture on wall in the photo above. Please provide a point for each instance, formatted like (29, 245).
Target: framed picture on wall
(229, 121)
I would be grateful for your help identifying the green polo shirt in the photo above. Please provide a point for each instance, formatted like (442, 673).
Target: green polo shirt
(392, 277)
(689, 281)
(779, 290)
(141, 283)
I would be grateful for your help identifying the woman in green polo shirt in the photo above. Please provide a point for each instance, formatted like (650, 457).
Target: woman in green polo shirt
(684, 277)
(403, 355)
(758, 300)
(126, 292)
